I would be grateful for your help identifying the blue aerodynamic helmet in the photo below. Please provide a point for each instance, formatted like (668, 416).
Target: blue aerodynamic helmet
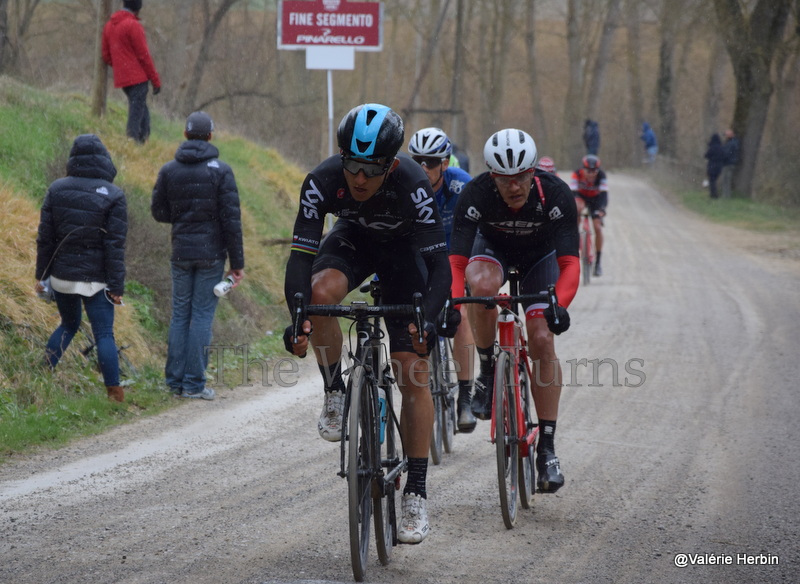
(370, 131)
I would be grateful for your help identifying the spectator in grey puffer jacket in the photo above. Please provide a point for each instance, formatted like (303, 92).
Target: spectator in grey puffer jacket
(80, 247)
(197, 194)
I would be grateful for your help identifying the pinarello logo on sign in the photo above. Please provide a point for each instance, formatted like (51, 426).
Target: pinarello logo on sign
(331, 5)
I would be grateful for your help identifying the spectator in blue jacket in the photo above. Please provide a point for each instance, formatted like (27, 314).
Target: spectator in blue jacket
(650, 143)
(197, 194)
(80, 247)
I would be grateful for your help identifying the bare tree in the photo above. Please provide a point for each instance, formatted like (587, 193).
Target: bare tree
(100, 83)
(751, 41)
(571, 147)
(539, 118)
(665, 86)
(600, 63)
(634, 69)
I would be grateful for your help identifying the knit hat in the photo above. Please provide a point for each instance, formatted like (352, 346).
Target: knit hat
(132, 5)
(199, 125)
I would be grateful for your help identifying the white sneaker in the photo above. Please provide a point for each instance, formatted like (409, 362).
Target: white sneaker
(330, 420)
(414, 526)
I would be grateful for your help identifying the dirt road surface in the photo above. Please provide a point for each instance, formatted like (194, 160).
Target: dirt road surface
(684, 442)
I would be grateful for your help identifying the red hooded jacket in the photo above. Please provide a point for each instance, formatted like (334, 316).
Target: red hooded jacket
(125, 50)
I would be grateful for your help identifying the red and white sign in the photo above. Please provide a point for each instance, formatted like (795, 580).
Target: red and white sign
(332, 23)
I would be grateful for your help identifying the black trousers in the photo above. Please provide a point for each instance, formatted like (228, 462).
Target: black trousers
(138, 114)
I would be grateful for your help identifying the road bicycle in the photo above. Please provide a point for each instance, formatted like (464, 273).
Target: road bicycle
(513, 430)
(370, 456)
(586, 244)
(444, 386)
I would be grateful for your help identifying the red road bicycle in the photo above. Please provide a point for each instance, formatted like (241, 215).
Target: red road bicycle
(513, 431)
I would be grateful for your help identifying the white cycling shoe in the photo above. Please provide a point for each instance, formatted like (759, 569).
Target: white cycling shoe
(414, 525)
(330, 420)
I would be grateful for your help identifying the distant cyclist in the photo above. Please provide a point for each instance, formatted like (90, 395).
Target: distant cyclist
(388, 225)
(590, 187)
(516, 216)
(432, 149)
(547, 164)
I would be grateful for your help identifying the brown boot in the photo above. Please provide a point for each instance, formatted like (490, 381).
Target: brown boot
(115, 393)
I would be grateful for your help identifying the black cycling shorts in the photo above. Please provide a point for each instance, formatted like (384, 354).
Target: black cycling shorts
(537, 271)
(595, 204)
(399, 266)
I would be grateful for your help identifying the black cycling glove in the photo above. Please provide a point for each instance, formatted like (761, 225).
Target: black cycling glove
(450, 317)
(287, 339)
(563, 319)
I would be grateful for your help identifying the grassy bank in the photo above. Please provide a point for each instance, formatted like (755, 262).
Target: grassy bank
(39, 407)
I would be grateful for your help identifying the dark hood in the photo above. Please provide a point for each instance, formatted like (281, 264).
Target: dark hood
(89, 158)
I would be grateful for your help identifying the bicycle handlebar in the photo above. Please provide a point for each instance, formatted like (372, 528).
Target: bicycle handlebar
(506, 300)
(356, 310)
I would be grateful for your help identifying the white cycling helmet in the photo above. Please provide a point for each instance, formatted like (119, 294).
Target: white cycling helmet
(431, 142)
(510, 152)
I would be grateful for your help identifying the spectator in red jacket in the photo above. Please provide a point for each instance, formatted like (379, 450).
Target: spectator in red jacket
(125, 50)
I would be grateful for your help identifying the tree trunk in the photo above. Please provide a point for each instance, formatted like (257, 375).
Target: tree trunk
(634, 50)
(716, 77)
(100, 82)
(751, 42)
(572, 145)
(458, 131)
(539, 119)
(600, 64)
(665, 96)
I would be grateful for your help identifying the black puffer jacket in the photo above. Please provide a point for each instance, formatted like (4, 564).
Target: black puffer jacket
(84, 220)
(197, 193)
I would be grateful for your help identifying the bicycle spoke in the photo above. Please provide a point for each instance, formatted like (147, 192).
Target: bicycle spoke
(506, 445)
(359, 480)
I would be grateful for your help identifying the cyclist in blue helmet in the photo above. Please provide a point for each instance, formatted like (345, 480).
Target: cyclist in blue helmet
(388, 225)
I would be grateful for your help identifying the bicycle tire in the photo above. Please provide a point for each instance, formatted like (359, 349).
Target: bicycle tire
(449, 413)
(505, 438)
(360, 457)
(385, 506)
(438, 396)
(527, 464)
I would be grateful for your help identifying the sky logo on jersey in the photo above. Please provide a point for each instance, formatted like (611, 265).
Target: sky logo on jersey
(311, 198)
(423, 202)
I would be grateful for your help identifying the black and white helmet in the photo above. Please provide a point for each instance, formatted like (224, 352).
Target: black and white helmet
(432, 142)
(510, 151)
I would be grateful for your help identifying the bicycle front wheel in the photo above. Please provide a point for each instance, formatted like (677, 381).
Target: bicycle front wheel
(385, 506)
(450, 382)
(527, 463)
(505, 437)
(361, 453)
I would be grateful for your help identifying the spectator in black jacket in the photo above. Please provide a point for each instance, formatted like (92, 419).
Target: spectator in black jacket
(715, 157)
(591, 136)
(80, 247)
(731, 149)
(197, 193)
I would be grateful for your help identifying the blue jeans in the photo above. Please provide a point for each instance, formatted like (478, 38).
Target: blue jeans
(193, 308)
(101, 316)
(138, 114)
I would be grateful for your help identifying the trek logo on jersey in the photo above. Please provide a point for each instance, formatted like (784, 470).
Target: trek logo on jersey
(555, 213)
(474, 214)
(311, 198)
(423, 202)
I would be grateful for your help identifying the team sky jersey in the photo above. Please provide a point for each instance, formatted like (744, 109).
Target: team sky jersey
(547, 222)
(447, 196)
(580, 184)
(404, 208)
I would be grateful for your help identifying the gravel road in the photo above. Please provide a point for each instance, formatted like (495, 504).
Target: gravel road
(683, 447)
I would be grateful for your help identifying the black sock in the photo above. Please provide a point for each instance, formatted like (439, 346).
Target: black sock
(332, 377)
(464, 389)
(417, 474)
(486, 359)
(547, 432)
(597, 257)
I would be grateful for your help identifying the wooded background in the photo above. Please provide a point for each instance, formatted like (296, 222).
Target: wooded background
(688, 67)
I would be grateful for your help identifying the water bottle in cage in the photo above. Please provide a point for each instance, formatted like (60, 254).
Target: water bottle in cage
(383, 411)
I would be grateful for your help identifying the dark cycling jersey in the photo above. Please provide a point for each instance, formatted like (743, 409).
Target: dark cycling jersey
(402, 210)
(447, 196)
(595, 193)
(547, 222)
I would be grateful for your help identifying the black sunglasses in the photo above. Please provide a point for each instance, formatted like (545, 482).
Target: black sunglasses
(428, 161)
(370, 169)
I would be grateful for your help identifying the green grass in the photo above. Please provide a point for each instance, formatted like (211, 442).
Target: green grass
(40, 408)
(743, 213)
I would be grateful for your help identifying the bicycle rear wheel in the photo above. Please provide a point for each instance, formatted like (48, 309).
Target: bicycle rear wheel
(527, 463)
(385, 506)
(361, 454)
(505, 437)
